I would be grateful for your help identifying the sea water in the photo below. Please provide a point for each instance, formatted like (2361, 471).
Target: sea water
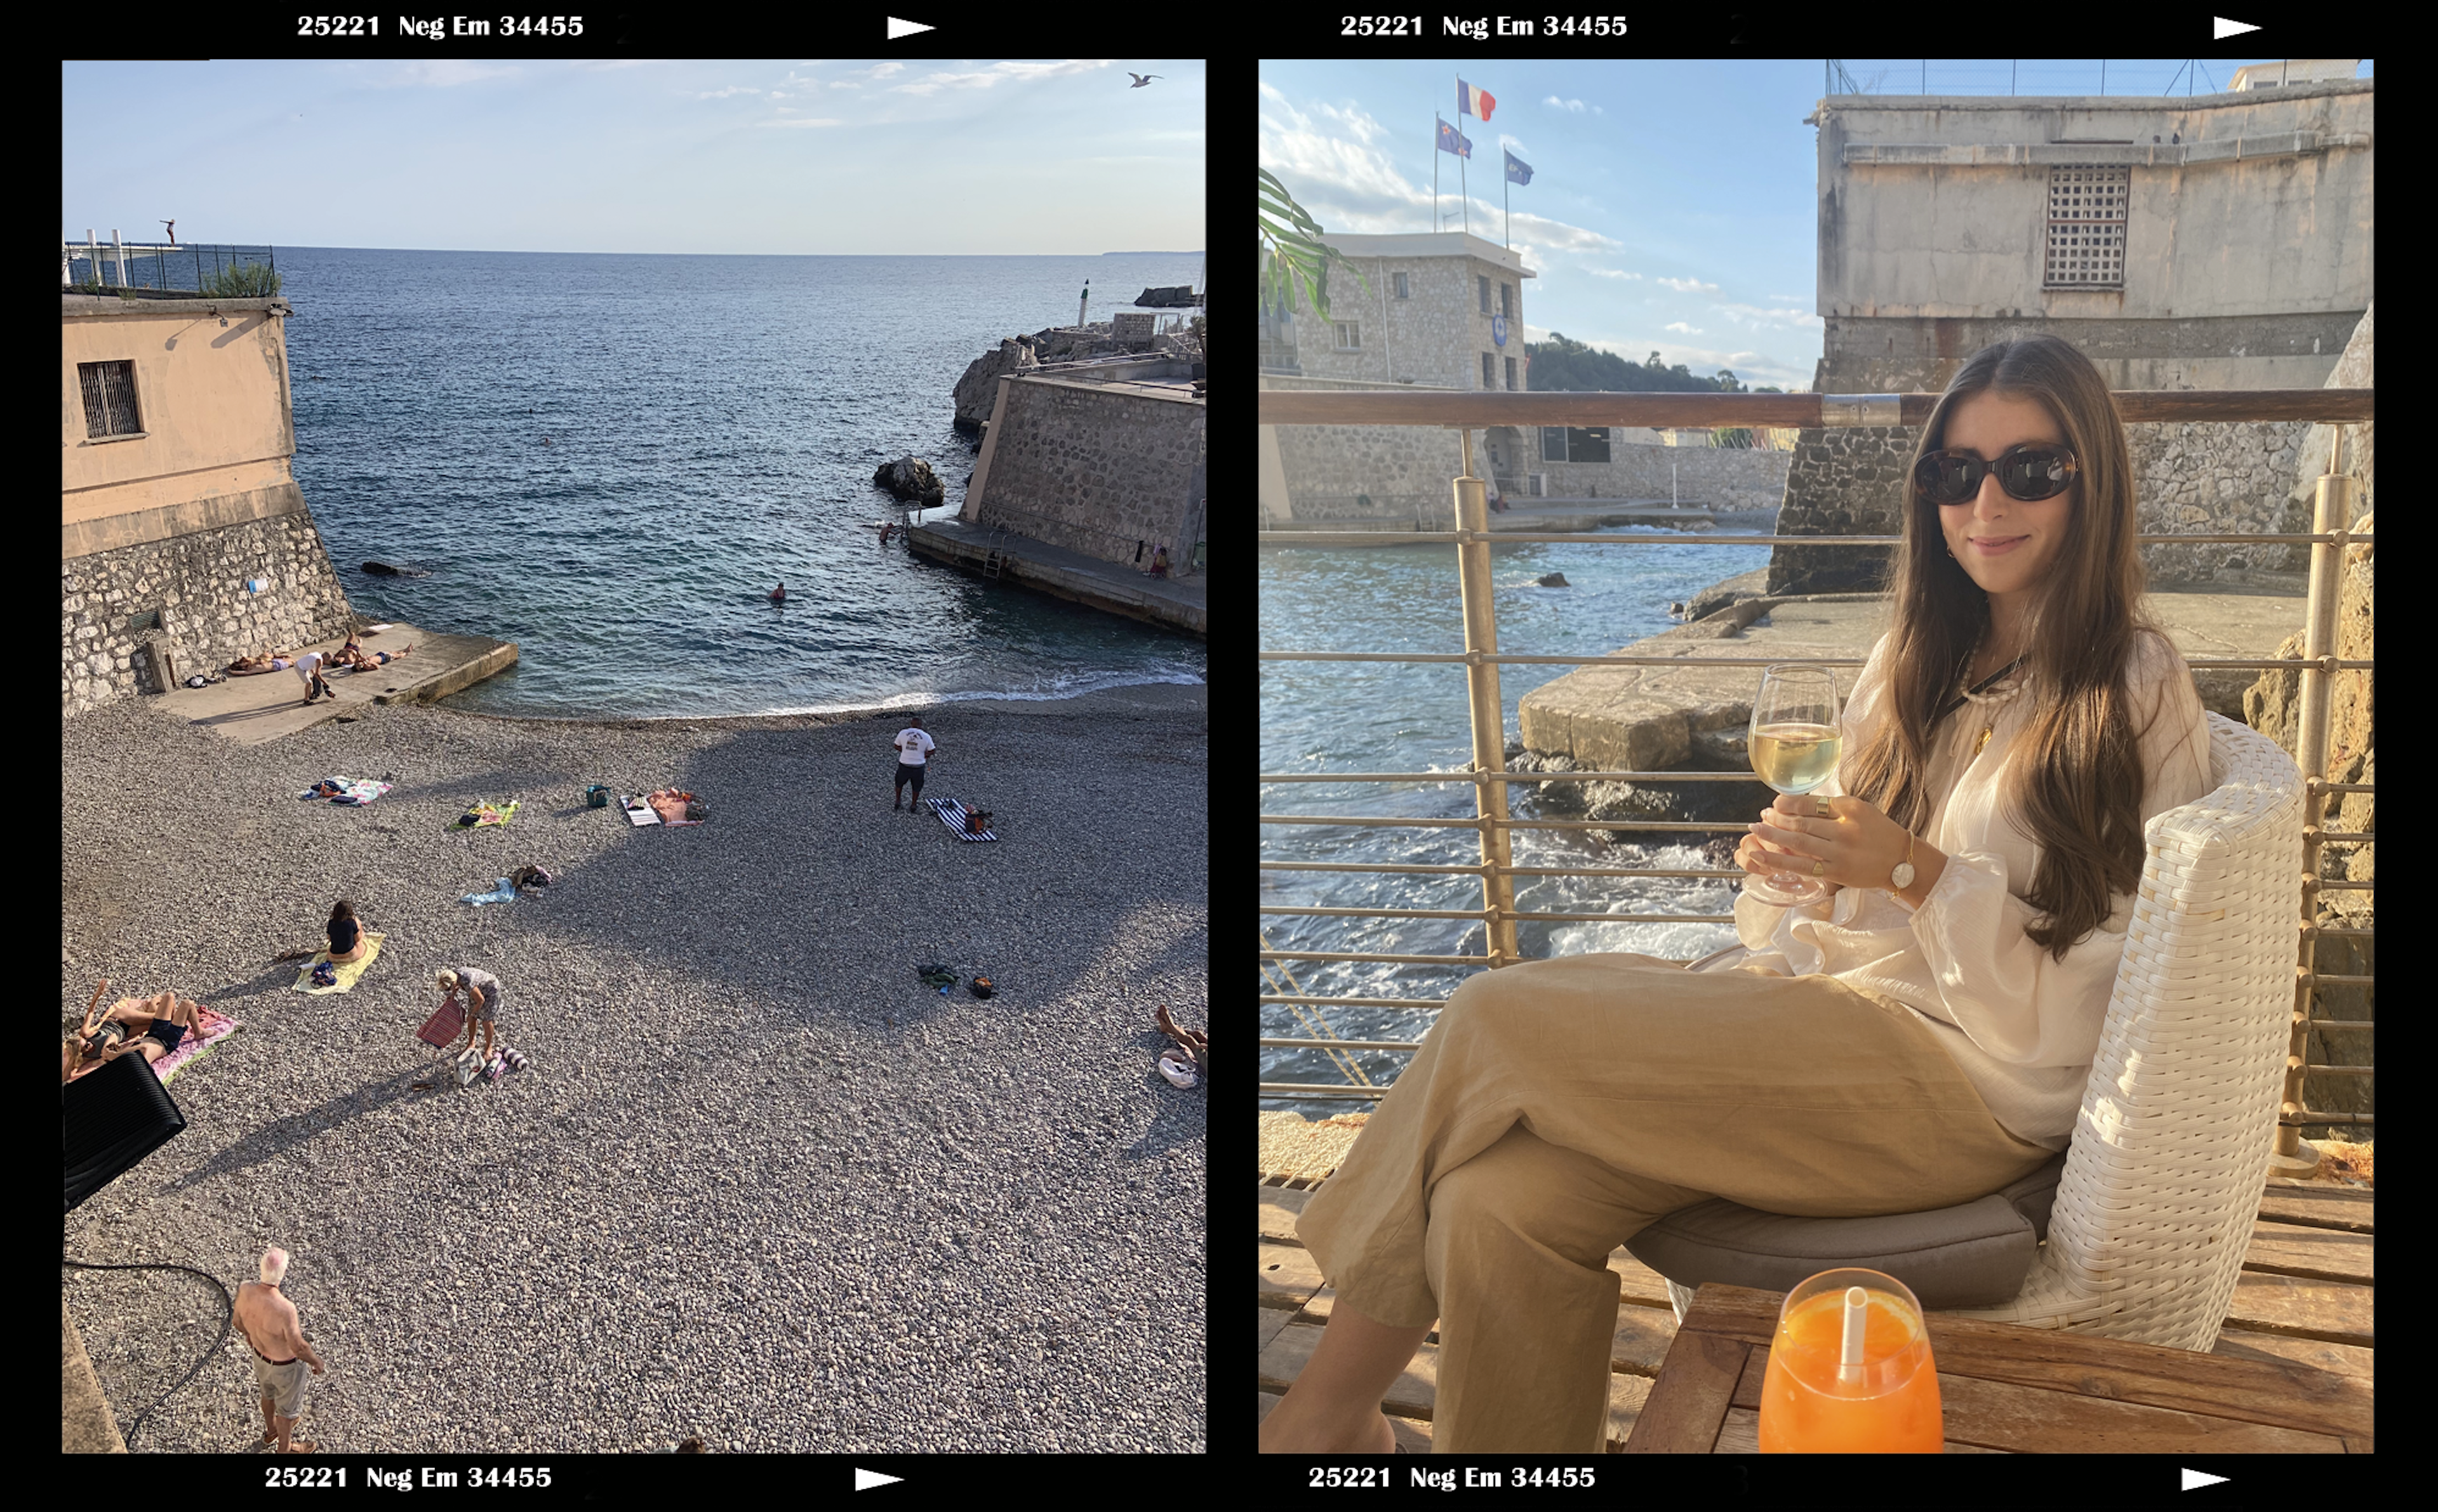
(611, 460)
(1321, 716)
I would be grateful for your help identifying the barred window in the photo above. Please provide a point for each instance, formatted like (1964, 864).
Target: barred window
(109, 399)
(1485, 293)
(1350, 336)
(1506, 300)
(2086, 246)
(1401, 286)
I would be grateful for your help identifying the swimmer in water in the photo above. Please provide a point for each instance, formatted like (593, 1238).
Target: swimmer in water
(779, 594)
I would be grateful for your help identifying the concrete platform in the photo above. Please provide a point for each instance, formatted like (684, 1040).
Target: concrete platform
(86, 1425)
(252, 709)
(1073, 575)
(1654, 718)
(1566, 516)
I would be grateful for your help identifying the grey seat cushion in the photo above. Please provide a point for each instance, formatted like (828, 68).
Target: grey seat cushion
(1972, 1256)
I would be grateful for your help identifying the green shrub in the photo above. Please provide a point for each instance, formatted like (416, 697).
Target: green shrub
(250, 281)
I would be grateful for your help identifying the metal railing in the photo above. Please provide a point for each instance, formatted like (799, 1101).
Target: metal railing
(162, 268)
(2334, 508)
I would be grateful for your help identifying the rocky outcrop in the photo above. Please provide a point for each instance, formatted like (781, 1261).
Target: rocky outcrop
(1166, 298)
(979, 388)
(1554, 580)
(912, 480)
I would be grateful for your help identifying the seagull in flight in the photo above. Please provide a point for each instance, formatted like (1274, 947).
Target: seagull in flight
(1140, 79)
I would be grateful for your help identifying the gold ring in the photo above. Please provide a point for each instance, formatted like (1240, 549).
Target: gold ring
(1823, 811)
(1819, 868)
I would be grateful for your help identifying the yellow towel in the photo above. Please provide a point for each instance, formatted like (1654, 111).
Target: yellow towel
(349, 970)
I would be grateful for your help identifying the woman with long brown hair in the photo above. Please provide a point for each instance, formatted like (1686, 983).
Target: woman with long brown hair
(1918, 1038)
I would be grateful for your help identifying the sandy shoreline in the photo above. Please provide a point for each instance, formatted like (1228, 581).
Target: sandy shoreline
(760, 1184)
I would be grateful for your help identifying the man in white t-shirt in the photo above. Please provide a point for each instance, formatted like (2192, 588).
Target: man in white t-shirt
(914, 751)
(308, 667)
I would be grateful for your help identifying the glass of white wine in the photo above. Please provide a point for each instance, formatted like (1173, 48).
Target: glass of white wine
(1794, 745)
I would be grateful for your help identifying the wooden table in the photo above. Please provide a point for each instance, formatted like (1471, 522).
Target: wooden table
(2012, 1390)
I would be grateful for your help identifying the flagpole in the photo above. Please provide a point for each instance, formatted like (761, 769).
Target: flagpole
(1461, 187)
(1435, 173)
(1502, 205)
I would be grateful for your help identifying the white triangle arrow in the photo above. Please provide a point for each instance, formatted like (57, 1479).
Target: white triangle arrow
(2223, 28)
(2192, 1478)
(906, 28)
(866, 1480)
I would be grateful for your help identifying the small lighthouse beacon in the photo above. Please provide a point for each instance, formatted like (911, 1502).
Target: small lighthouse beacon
(1085, 306)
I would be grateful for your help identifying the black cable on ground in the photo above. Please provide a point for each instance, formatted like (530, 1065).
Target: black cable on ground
(129, 1435)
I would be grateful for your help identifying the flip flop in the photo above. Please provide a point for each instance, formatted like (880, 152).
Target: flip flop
(1177, 1074)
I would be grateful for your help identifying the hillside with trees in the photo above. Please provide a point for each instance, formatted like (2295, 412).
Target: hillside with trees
(1560, 364)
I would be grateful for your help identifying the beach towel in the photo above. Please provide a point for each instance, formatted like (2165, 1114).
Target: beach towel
(639, 812)
(441, 1029)
(349, 970)
(192, 1047)
(487, 814)
(952, 814)
(670, 805)
(505, 892)
(345, 790)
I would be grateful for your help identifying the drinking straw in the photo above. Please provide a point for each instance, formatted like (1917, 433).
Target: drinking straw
(1849, 1367)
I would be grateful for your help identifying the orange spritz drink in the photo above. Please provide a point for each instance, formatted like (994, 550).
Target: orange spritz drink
(1886, 1401)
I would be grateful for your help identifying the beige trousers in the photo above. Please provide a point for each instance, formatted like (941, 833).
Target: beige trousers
(1559, 1107)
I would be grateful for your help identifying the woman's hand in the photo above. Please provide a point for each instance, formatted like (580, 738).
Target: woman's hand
(1850, 845)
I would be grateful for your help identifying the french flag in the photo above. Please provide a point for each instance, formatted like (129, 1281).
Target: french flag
(1474, 102)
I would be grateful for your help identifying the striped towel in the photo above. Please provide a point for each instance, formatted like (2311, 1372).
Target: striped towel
(952, 814)
(349, 970)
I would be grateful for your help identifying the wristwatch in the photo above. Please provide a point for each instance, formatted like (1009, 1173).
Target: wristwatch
(1901, 877)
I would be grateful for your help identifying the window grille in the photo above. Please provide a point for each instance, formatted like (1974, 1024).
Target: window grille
(1485, 291)
(109, 399)
(1350, 336)
(2087, 227)
(1401, 286)
(1506, 300)
(1488, 373)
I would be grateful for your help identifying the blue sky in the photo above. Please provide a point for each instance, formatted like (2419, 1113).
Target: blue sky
(821, 157)
(1672, 204)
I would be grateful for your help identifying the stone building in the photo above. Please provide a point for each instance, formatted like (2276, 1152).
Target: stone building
(1106, 459)
(2217, 242)
(184, 541)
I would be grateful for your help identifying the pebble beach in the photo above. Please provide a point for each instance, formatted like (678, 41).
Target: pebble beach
(758, 1184)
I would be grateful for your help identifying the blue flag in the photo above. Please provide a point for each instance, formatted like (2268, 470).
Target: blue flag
(1451, 140)
(1518, 171)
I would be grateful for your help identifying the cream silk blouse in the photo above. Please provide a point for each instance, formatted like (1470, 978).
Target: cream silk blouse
(2022, 1026)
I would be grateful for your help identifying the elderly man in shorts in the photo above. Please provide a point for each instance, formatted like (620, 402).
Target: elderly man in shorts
(281, 1355)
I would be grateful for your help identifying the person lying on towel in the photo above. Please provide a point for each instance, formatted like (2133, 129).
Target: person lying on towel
(151, 1026)
(270, 662)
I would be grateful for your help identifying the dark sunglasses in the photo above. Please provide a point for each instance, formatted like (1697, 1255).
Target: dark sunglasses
(2028, 473)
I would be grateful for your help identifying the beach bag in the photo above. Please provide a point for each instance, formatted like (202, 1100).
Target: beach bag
(981, 987)
(596, 797)
(695, 810)
(325, 975)
(977, 821)
(468, 1066)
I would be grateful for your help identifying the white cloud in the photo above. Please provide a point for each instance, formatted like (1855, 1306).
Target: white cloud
(883, 70)
(995, 73)
(805, 123)
(1779, 317)
(1574, 105)
(1689, 286)
(732, 89)
(1680, 325)
(445, 73)
(1611, 273)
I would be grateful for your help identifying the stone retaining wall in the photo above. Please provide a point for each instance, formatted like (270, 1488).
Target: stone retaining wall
(207, 615)
(1096, 470)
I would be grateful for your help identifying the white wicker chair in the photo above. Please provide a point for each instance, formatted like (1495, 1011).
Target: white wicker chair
(2170, 1155)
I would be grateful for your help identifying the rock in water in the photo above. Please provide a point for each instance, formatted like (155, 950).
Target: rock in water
(1555, 580)
(386, 569)
(911, 478)
(978, 389)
